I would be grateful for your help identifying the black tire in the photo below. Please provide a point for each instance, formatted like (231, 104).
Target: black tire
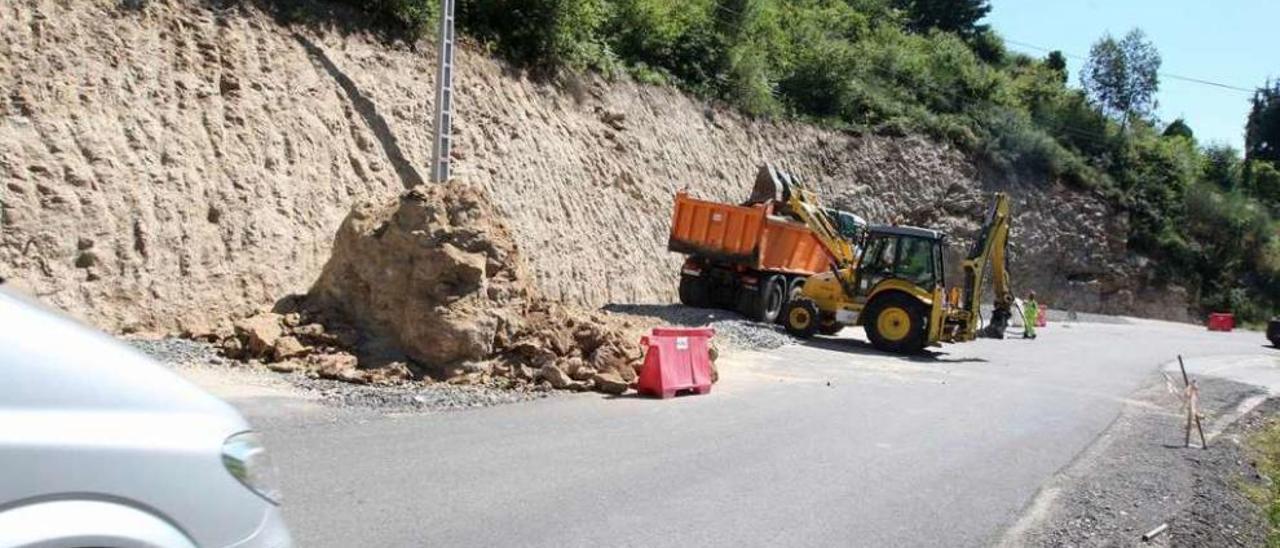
(693, 292)
(766, 302)
(801, 318)
(827, 325)
(902, 331)
(794, 288)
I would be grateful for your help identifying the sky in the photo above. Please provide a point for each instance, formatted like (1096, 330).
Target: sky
(1232, 42)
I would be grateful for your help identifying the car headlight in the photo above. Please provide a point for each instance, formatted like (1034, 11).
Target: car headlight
(246, 459)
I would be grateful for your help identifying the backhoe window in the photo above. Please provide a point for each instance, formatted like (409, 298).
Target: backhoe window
(877, 262)
(916, 262)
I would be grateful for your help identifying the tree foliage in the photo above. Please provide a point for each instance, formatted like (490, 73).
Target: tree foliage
(1262, 130)
(1057, 62)
(956, 16)
(1122, 77)
(1179, 128)
(1222, 167)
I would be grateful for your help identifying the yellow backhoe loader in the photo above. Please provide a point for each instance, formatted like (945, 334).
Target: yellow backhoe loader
(891, 282)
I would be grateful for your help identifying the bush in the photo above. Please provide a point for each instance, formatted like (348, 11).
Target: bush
(410, 18)
(542, 33)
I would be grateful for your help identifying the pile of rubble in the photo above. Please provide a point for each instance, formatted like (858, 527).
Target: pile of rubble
(308, 342)
(431, 286)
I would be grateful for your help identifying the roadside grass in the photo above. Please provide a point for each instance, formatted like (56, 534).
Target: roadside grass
(1264, 447)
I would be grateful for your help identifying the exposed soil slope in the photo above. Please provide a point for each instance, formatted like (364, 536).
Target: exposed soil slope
(167, 168)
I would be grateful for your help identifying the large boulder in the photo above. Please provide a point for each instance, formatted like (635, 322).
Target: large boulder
(433, 271)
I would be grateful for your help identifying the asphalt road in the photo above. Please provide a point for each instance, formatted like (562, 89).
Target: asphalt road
(829, 443)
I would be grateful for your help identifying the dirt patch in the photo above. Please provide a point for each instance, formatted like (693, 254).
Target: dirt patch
(1139, 475)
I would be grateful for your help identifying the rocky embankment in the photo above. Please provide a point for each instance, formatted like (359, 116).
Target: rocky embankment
(171, 168)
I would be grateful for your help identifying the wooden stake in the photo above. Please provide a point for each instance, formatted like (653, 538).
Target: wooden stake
(1195, 412)
(1191, 399)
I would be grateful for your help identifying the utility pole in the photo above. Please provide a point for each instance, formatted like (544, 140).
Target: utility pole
(444, 95)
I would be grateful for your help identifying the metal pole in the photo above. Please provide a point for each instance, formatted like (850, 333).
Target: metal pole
(444, 96)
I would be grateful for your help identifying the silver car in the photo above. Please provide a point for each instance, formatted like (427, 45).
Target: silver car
(100, 446)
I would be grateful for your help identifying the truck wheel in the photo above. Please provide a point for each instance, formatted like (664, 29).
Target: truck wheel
(765, 303)
(693, 292)
(895, 323)
(774, 295)
(795, 288)
(800, 318)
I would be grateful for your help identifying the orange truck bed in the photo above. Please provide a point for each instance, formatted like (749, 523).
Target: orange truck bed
(745, 235)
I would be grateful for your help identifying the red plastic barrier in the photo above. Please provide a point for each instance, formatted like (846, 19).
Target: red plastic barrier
(675, 359)
(1041, 321)
(1222, 321)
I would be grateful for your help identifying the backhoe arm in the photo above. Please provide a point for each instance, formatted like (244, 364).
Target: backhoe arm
(990, 248)
(807, 206)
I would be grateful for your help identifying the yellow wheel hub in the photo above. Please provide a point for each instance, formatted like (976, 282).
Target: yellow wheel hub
(894, 324)
(799, 318)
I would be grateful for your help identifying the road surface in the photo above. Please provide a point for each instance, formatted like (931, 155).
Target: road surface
(829, 443)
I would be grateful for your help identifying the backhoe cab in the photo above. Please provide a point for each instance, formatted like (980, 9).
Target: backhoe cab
(891, 282)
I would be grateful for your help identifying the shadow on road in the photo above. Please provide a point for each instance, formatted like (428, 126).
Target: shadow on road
(854, 346)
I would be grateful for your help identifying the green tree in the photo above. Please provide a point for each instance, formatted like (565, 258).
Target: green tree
(958, 16)
(1179, 128)
(1123, 77)
(1057, 62)
(1264, 184)
(1222, 167)
(1262, 131)
(540, 32)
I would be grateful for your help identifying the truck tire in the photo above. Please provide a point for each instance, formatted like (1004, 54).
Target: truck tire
(766, 302)
(895, 323)
(801, 318)
(694, 292)
(795, 288)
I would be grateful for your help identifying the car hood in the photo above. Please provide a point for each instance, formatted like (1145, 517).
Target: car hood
(51, 361)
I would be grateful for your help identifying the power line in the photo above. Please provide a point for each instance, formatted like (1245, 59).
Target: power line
(1165, 74)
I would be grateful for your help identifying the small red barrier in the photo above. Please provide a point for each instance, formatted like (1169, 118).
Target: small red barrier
(1222, 321)
(675, 359)
(1041, 321)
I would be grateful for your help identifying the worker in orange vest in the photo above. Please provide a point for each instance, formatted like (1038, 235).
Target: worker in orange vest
(1030, 313)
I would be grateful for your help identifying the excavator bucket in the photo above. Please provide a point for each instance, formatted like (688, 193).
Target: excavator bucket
(771, 185)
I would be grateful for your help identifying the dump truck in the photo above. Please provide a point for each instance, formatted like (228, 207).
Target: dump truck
(892, 281)
(752, 257)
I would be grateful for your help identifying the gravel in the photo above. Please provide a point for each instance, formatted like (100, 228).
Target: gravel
(174, 351)
(417, 396)
(1138, 475)
(732, 331)
(409, 397)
